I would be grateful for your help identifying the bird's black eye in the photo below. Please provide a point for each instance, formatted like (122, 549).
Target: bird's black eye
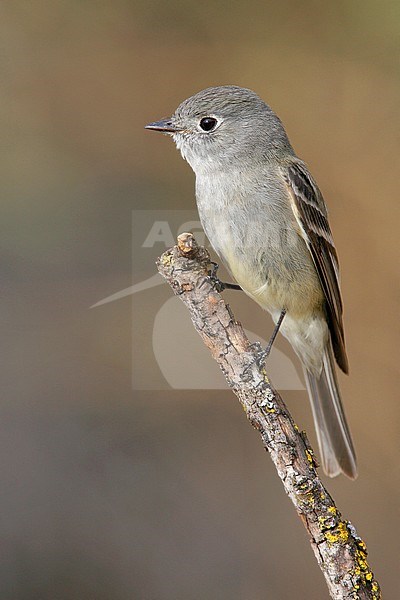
(208, 123)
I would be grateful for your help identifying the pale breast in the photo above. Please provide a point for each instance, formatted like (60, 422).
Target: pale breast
(252, 229)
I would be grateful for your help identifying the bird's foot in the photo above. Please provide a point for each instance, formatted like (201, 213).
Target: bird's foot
(219, 285)
(262, 355)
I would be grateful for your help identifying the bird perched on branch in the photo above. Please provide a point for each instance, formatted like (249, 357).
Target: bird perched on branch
(266, 219)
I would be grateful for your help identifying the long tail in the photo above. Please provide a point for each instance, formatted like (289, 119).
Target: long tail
(334, 439)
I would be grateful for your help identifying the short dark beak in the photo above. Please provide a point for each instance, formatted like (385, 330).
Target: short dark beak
(166, 125)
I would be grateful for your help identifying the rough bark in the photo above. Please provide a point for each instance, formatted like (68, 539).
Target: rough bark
(340, 552)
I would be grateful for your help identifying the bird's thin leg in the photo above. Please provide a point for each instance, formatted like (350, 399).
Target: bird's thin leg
(219, 285)
(265, 353)
(231, 286)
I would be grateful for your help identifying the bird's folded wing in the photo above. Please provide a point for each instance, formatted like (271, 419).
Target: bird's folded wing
(310, 212)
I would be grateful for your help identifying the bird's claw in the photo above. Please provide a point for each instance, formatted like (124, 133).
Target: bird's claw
(261, 354)
(218, 285)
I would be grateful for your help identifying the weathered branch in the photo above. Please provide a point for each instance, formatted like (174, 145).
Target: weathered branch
(340, 552)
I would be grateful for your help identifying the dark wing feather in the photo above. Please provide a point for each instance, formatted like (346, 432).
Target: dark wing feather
(310, 211)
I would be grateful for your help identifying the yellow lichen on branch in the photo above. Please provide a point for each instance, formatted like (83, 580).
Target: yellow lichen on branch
(340, 552)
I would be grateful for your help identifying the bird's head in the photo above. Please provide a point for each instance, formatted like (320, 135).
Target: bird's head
(224, 126)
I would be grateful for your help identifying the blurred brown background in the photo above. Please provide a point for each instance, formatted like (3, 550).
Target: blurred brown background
(107, 493)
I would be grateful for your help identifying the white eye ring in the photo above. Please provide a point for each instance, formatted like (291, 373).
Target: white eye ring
(209, 124)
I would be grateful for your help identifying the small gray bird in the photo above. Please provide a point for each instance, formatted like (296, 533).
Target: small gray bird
(267, 220)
